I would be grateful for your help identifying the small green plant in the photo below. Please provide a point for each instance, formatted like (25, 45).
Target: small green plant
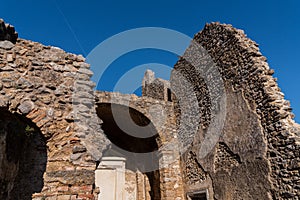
(29, 130)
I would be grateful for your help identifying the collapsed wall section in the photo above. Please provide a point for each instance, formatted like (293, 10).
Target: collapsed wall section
(7, 32)
(257, 153)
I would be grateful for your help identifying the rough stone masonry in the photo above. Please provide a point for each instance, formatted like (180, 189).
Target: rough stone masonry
(54, 128)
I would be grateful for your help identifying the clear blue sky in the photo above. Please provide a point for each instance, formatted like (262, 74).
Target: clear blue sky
(78, 26)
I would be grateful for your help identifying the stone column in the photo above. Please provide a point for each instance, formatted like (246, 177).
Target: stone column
(170, 176)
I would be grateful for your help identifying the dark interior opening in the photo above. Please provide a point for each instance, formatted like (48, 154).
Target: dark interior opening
(130, 130)
(198, 196)
(23, 157)
(169, 94)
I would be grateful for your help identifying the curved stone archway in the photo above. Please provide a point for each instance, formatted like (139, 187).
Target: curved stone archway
(126, 145)
(141, 129)
(23, 157)
(123, 126)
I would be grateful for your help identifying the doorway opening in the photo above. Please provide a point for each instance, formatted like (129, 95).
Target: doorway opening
(132, 135)
(23, 157)
(198, 195)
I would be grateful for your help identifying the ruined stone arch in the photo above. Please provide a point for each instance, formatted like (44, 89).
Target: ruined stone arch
(142, 177)
(37, 83)
(134, 125)
(23, 157)
(159, 113)
(157, 117)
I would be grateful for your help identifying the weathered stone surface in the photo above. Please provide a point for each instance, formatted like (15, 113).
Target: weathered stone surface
(249, 158)
(193, 171)
(7, 45)
(76, 156)
(85, 71)
(25, 107)
(79, 149)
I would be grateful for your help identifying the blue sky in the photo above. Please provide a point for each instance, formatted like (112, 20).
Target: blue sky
(78, 26)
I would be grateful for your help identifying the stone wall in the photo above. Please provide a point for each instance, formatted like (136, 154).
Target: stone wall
(257, 153)
(52, 90)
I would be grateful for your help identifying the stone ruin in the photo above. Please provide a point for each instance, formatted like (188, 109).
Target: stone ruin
(59, 138)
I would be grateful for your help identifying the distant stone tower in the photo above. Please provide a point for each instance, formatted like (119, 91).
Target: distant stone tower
(156, 88)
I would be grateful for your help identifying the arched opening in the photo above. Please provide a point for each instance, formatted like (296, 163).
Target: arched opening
(23, 157)
(121, 126)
